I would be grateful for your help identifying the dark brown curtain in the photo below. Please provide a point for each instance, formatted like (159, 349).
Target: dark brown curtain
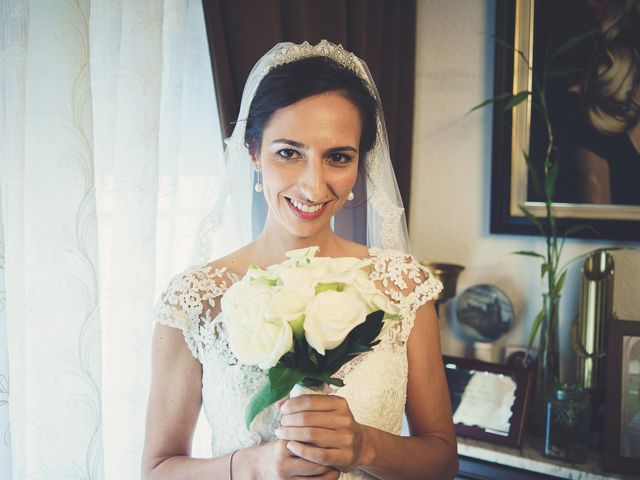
(381, 32)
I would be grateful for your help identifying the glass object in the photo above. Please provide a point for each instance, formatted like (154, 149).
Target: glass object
(568, 416)
(547, 368)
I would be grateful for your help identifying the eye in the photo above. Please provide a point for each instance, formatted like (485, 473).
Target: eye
(340, 158)
(287, 153)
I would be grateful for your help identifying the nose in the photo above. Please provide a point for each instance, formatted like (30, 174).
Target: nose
(313, 181)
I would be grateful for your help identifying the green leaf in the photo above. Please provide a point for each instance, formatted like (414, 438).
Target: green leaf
(557, 288)
(516, 100)
(569, 44)
(265, 397)
(529, 253)
(544, 268)
(537, 321)
(550, 180)
(282, 376)
(367, 331)
(497, 98)
(501, 42)
(335, 381)
(532, 218)
(533, 174)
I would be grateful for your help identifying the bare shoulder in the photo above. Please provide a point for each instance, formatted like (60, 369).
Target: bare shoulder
(235, 263)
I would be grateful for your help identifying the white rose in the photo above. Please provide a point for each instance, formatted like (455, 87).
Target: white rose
(330, 316)
(289, 306)
(254, 338)
(374, 298)
(299, 280)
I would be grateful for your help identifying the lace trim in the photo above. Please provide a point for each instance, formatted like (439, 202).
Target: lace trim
(189, 302)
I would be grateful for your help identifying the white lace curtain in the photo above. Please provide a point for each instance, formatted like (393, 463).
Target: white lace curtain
(109, 143)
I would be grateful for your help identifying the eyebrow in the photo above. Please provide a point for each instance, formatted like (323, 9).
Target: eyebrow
(293, 143)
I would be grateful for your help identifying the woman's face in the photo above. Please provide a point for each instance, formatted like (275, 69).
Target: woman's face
(309, 161)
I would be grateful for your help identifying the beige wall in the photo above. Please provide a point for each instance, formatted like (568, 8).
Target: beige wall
(450, 187)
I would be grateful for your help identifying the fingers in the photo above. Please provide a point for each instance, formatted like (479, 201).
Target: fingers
(342, 459)
(329, 475)
(323, 403)
(316, 419)
(320, 437)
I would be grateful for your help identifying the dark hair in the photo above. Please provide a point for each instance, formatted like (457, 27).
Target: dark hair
(292, 82)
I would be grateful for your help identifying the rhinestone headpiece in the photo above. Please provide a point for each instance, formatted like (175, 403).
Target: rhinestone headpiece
(323, 49)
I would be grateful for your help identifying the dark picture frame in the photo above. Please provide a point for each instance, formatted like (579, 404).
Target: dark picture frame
(523, 379)
(623, 342)
(516, 25)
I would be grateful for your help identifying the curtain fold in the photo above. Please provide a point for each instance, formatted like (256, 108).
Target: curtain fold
(110, 154)
(381, 32)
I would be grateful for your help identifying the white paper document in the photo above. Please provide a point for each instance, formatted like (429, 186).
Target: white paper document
(486, 402)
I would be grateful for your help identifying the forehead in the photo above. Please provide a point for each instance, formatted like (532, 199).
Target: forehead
(325, 118)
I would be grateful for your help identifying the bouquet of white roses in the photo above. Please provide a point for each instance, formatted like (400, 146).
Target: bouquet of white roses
(302, 320)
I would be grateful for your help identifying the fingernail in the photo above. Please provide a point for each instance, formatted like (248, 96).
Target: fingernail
(292, 448)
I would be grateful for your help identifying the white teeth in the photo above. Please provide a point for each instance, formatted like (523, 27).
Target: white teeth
(305, 208)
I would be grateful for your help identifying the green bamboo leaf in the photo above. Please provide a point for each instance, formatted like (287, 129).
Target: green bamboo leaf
(551, 179)
(516, 100)
(281, 376)
(265, 397)
(535, 327)
(557, 288)
(501, 42)
(497, 98)
(588, 254)
(569, 44)
(533, 174)
(532, 218)
(529, 253)
(574, 229)
(544, 268)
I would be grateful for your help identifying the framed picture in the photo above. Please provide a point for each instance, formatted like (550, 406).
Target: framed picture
(489, 400)
(611, 203)
(622, 425)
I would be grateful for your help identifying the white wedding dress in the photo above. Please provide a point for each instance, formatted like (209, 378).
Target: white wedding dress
(375, 382)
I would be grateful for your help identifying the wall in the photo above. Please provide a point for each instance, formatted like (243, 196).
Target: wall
(450, 190)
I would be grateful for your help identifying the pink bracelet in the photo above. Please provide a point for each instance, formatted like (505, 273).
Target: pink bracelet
(230, 464)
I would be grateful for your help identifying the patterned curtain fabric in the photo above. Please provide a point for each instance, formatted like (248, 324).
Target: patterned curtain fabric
(110, 148)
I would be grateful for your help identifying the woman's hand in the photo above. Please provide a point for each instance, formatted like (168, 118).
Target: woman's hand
(276, 462)
(321, 429)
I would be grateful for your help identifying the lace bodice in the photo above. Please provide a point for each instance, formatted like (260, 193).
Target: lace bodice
(375, 382)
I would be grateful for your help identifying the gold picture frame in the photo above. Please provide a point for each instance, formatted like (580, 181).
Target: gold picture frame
(515, 26)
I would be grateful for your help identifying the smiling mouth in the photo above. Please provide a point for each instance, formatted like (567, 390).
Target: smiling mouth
(304, 210)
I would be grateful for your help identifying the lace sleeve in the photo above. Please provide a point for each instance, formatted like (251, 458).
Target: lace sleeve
(405, 281)
(189, 303)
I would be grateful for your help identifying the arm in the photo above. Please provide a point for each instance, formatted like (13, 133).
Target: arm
(430, 451)
(339, 441)
(172, 412)
(174, 404)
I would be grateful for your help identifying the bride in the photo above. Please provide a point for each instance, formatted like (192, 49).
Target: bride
(310, 124)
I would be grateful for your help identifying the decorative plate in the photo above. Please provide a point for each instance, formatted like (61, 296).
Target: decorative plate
(484, 313)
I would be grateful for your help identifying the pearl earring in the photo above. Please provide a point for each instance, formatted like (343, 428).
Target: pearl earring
(350, 196)
(258, 186)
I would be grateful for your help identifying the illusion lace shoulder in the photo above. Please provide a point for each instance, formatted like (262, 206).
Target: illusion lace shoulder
(375, 382)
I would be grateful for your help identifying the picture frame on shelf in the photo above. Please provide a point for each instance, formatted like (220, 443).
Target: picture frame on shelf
(527, 25)
(622, 414)
(489, 400)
